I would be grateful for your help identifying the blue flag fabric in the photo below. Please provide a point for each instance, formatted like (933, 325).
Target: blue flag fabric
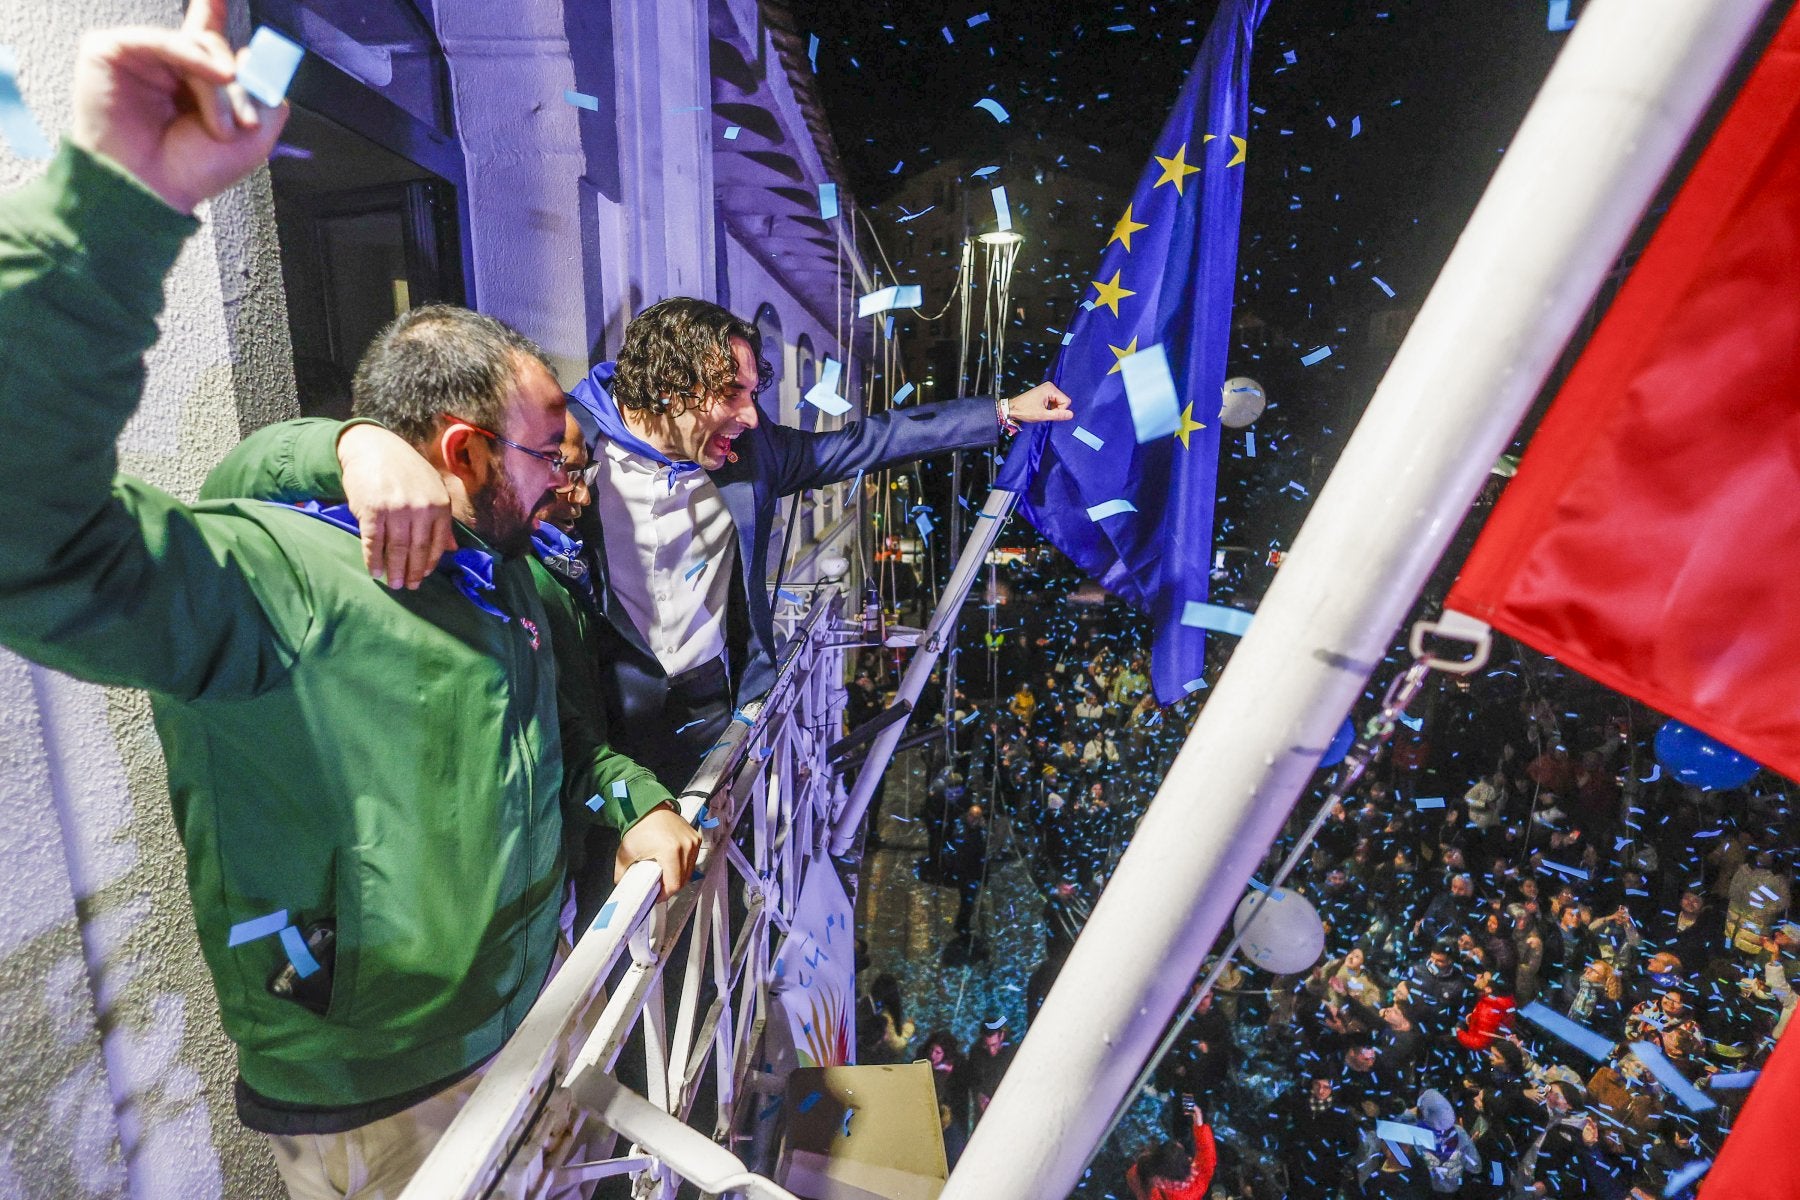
(1165, 280)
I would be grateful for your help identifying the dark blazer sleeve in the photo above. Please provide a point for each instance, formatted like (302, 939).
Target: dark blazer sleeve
(801, 460)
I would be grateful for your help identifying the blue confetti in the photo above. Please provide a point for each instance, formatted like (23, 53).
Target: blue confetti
(695, 569)
(1249, 443)
(260, 927)
(1376, 280)
(605, 914)
(808, 1102)
(979, 18)
(298, 954)
(994, 109)
(619, 790)
(901, 395)
(1319, 355)
(1592, 1044)
(16, 122)
(898, 296)
(812, 52)
(269, 65)
(731, 132)
(1217, 617)
(1150, 392)
(828, 202)
(1424, 802)
(1002, 211)
(1110, 508)
(1355, 126)
(582, 100)
(790, 597)
(1091, 440)
(1558, 20)
(984, 172)
(1686, 1177)
(595, 802)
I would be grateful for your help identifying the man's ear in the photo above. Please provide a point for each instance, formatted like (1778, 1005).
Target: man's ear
(458, 454)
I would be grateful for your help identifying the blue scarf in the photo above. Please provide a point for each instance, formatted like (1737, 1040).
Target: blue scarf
(561, 554)
(470, 568)
(592, 396)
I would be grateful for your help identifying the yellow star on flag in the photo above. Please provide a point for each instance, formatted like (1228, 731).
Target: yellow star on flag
(1111, 293)
(1188, 424)
(1175, 169)
(1122, 353)
(1124, 229)
(1242, 147)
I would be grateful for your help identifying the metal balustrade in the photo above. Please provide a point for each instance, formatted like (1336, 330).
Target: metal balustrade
(764, 798)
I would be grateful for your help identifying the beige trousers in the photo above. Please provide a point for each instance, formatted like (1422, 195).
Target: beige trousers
(373, 1162)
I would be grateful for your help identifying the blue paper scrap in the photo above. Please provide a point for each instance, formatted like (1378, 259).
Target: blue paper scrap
(298, 954)
(1110, 508)
(595, 802)
(694, 570)
(1376, 280)
(812, 52)
(1424, 802)
(1571, 872)
(1411, 1135)
(1249, 443)
(1673, 1081)
(790, 597)
(1193, 685)
(901, 395)
(17, 124)
(979, 18)
(259, 927)
(823, 394)
(1091, 440)
(1557, 20)
(1150, 391)
(1355, 126)
(1217, 617)
(1594, 1045)
(808, 1101)
(732, 131)
(1322, 353)
(619, 790)
(983, 172)
(923, 521)
(269, 65)
(828, 205)
(909, 295)
(582, 100)
(1679, 1181)
(1002, 211)
(994, 109)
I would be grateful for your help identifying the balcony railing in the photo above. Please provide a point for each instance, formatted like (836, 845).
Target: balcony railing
(549, 1114)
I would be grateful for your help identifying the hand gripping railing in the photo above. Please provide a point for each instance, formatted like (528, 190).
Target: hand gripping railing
(763, 797)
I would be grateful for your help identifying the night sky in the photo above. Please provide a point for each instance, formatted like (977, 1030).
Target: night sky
(1379, 125)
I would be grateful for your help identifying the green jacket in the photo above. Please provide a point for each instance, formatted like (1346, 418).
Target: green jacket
(391, 762)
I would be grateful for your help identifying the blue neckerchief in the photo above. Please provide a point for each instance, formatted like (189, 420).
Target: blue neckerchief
(562, 555)
(470, 568)
(593, 396)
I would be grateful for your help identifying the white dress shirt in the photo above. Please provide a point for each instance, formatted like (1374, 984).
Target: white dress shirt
(671, 547)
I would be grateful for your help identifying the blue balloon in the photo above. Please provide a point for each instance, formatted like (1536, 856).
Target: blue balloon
(1701, 761)
(1340, 744)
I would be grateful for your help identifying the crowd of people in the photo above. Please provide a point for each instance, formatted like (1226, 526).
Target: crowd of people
(1551, 970)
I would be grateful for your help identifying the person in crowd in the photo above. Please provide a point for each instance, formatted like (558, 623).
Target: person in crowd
(967, 867)
(987, 1059)
(950, 1078)
(1321, 1134)
(1561, 1161)
(299, 701)
(1694, 933)
(1493, 1014)
(1174, 1170)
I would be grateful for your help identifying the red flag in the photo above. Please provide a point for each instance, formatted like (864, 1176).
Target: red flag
(1651, 539)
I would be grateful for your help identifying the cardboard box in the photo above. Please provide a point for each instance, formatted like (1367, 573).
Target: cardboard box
(863, 1133)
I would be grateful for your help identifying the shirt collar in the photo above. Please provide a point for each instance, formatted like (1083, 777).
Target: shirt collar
(594, 395)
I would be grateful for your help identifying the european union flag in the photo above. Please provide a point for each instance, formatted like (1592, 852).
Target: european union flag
(1126, 489)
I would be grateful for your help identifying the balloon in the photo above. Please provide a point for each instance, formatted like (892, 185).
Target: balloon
(1241, 402)
(1340, 744)
(1287, 936)
(1700, 761)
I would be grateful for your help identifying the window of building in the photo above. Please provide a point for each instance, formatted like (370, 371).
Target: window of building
(368, 183)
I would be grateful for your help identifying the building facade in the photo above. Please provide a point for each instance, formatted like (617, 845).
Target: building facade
(558, 165)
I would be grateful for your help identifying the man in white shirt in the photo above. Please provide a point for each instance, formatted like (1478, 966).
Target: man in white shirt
(687, 479)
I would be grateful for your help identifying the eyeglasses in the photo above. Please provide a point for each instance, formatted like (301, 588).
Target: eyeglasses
(559, 462)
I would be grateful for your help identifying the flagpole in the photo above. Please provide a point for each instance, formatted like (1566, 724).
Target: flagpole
(1611, 118)
(937, 634)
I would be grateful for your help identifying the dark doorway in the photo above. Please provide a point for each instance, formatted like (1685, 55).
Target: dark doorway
(367, 180)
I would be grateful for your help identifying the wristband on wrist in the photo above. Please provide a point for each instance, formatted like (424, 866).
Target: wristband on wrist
(1003, 408)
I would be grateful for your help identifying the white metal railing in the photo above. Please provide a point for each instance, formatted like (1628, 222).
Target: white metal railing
(764, 797)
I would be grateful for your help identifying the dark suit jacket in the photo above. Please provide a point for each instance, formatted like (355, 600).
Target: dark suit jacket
(773, 461)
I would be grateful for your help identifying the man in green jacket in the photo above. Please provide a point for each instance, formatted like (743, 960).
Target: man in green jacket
(370, 782)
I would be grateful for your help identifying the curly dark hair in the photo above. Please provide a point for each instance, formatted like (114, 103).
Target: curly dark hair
(677, 357)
